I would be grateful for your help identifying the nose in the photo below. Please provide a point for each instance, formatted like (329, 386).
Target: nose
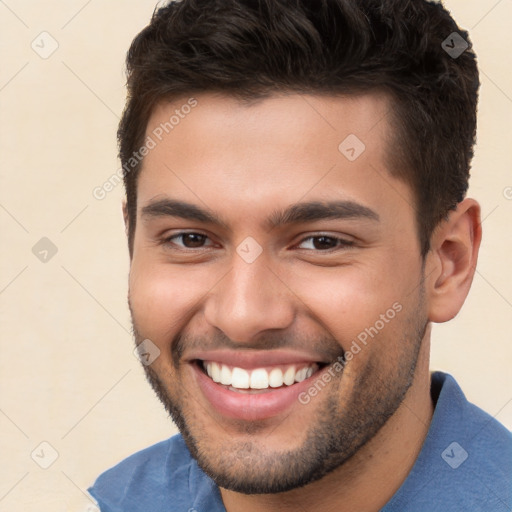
(250, 299)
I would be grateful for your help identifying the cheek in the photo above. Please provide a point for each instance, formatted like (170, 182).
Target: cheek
(161, 298)
(361, 308)
(346, 299)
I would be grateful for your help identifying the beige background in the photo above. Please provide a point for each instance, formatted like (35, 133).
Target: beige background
(68, 376)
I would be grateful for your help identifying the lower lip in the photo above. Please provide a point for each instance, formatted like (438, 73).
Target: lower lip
(254, 406)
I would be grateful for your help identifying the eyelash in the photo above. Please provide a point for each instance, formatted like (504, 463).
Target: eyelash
(341, 242)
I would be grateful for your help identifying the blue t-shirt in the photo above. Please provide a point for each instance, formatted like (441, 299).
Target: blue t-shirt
(465, 464)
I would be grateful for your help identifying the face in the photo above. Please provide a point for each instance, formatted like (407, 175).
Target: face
(264, 252)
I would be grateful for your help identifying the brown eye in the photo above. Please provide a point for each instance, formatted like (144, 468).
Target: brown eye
(324, 243)
(188, 240)
(193, 239)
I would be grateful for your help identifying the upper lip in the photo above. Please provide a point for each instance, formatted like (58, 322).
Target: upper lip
(250, 359)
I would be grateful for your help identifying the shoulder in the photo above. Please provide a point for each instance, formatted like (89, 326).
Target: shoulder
(487, 440)
(143, 480)
(465, 462)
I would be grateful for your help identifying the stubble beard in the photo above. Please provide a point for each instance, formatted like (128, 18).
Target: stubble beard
(338, 433)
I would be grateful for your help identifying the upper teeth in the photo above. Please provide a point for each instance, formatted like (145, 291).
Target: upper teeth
(259, 378)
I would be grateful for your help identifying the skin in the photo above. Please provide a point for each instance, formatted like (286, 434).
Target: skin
(243, 162)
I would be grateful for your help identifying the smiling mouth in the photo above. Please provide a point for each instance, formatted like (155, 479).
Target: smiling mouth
(258, 380)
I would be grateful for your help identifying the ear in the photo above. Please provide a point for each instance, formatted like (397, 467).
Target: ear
(452, 259)
(125, 217)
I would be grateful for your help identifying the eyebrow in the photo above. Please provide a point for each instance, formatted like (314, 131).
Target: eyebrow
(295, 214)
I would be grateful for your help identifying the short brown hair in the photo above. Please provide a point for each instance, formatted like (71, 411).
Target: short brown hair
(253, 48)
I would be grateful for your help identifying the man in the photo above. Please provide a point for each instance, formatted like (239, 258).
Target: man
(295, 175)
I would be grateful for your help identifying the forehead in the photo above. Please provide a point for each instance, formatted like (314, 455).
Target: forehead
(279, 121)
(241, 157)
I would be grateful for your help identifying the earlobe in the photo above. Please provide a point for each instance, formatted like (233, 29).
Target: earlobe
(125, 217)
(452, 260)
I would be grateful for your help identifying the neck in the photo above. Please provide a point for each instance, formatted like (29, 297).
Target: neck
(368, 480)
